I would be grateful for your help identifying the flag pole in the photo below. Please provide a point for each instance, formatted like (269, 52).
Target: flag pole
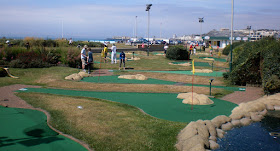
(193, 71)
(100, 65)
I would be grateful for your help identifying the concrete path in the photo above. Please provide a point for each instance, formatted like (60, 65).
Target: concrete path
(251, 93)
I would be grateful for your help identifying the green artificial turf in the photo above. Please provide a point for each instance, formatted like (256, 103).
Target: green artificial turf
(187, 72)
(160, 105)
(26, 130)
(115, 79)
(216, 59)
(200, 64)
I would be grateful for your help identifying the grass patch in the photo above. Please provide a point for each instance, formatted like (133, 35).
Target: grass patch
(106, 125)
(33, 76)
(221, 93)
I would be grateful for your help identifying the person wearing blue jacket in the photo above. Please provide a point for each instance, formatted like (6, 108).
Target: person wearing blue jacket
(122, 60)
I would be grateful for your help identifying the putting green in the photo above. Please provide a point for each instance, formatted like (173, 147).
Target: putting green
(212, 74)
(161, 105)
(216, 59)
(200, 64)
(115, 79)
(26, 130)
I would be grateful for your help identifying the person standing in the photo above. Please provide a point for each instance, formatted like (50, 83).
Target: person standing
(122, 60)
(165, 48)
(104, 53)
(89, 60)
(113, 54)
(84, 57)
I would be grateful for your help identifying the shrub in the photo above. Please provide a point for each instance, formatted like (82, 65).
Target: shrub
(226, 50)
(30, 60)
(177, 53)
(257, 63)
(73, 58)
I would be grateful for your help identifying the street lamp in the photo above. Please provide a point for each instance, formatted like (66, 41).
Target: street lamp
(232, 9)
(148, 7)
(200, 20)
(249, 28)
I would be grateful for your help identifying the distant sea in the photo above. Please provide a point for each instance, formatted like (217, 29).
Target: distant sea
(74, 39)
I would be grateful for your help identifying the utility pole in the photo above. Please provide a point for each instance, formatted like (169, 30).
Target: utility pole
(136, 27)
(232, 13)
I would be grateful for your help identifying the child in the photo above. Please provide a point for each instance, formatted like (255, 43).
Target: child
(122, 60)
(104, 53)
(89, 60)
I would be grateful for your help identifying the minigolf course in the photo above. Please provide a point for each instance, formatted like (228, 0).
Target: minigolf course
(160, 105)
(27, 130)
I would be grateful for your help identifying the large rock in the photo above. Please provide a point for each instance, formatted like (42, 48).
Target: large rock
(236, 122)
(213, 138)
(269, 107)
(202, 129)
(219, 120)
(197, 147)
(263, 112)
(245, 121)
(226, 127)
(213, 145)
(83, 74)
(189, 131)
(198, 99)
(220, 133)
(211, 128)
(137, 77)
(255, 117)
(191, 142)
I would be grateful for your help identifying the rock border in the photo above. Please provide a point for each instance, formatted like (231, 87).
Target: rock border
(202, 135)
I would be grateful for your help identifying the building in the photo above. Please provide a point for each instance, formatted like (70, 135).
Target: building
(222, 37)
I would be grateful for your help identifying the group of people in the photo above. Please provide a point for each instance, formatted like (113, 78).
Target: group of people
(87, 58)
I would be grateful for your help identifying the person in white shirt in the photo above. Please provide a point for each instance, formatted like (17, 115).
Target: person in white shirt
(84, 57)
(113, 54)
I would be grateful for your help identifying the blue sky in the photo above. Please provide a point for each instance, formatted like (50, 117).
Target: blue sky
(107, 18)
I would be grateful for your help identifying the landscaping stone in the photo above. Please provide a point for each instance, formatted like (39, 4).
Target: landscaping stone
(236, 122)
(270, 107)
(198, 147)
(213, 138)
(245, 121)
(219, 120)
(211, 128)
(226, 127)
(198, 99)
(220, 133)
(213, 145)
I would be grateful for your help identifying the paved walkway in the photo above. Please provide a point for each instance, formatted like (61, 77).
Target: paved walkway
(251, 93)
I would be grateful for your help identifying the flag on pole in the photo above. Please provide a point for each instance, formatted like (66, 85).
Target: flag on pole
(193, 70)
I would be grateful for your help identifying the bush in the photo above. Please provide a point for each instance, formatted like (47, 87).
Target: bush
(177, 53)
(30, 60)
(257, 63)
(226, 50)
(73, 58)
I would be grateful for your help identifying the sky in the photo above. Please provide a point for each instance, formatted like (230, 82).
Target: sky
(92, 19)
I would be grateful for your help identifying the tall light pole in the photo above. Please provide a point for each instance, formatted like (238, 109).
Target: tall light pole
(200, 20)
(160, 30)
(62, 29)
(148, 7)
(249, 28)
(232, 13)
(136, 27)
